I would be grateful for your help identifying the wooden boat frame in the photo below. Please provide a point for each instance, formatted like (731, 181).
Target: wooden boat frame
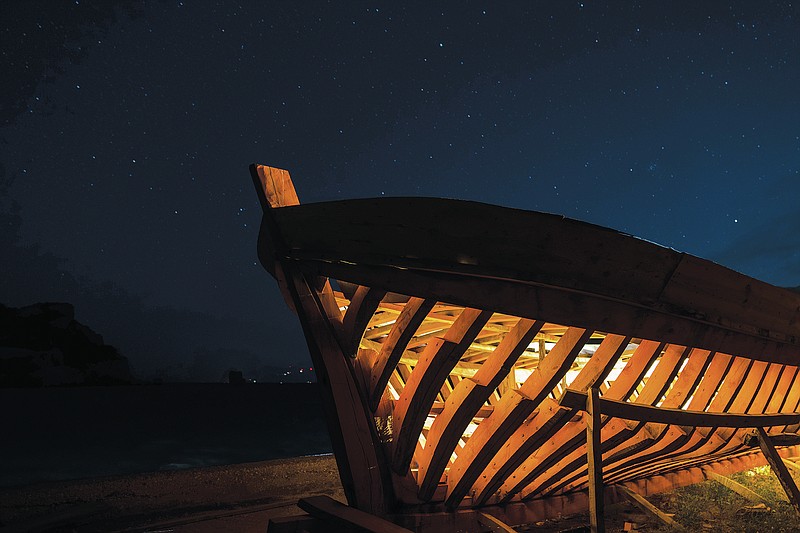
(512, 366)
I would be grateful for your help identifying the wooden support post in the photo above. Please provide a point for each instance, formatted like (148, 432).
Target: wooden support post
(594, 456)
(649, 508)
(776, 463)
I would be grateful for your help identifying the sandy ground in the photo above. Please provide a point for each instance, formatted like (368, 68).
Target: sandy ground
(236, 498)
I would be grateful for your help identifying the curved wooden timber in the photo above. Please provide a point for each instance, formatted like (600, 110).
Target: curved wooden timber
(479, 356)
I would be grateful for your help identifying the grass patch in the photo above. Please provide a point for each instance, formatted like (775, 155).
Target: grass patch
(709, 506)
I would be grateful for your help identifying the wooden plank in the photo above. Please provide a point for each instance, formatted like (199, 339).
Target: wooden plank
(275, 186)
(738, 488)
(594, 456)
(689, 378)
(649, 508)
(750, 398)
(776, 463)
(643, 413)
(700, 287)
(326, 508)
(466, 400)
(421, 389)
(494, 524)
(634, 275)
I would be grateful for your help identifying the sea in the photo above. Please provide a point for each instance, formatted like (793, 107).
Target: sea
(67, 433)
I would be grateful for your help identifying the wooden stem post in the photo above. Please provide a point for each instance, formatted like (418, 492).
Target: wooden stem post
(776, 463)
(594, 455)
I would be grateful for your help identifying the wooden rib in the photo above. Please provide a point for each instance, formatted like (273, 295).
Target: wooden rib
(566, 443)
(632, 437)
(412, 315)
(435, 363)
(494, 524)
(465, 401)
(616, 436)
(510, 412)
(769, 372)
(776, 400)
(363, 305)
(544, 424)
(723, 393)
(668, 438)
(352, 433)
(698, 438)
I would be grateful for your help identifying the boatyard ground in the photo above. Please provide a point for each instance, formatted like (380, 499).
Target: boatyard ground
(242, 498)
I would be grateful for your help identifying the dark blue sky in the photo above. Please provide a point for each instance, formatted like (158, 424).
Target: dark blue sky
(128, 127)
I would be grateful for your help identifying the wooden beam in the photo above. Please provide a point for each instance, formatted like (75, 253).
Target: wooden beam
(412, 315)
(363, 305)
(494, 524)
(647, 413)
(776, 463)
(738, 488)
(791, 464)
(594, 456)
(649, 508)
(326, 508)
(365, 479)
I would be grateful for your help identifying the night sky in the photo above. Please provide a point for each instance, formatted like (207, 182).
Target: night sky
(127, 128)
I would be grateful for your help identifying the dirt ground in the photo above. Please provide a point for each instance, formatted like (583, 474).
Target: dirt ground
(242, 498)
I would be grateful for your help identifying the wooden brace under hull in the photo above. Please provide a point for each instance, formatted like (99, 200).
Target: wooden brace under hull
(457, 343)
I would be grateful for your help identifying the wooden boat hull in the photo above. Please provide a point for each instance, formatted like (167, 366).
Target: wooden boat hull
(457, 343)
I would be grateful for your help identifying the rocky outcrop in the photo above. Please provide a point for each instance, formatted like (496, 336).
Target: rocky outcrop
(42, 345)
